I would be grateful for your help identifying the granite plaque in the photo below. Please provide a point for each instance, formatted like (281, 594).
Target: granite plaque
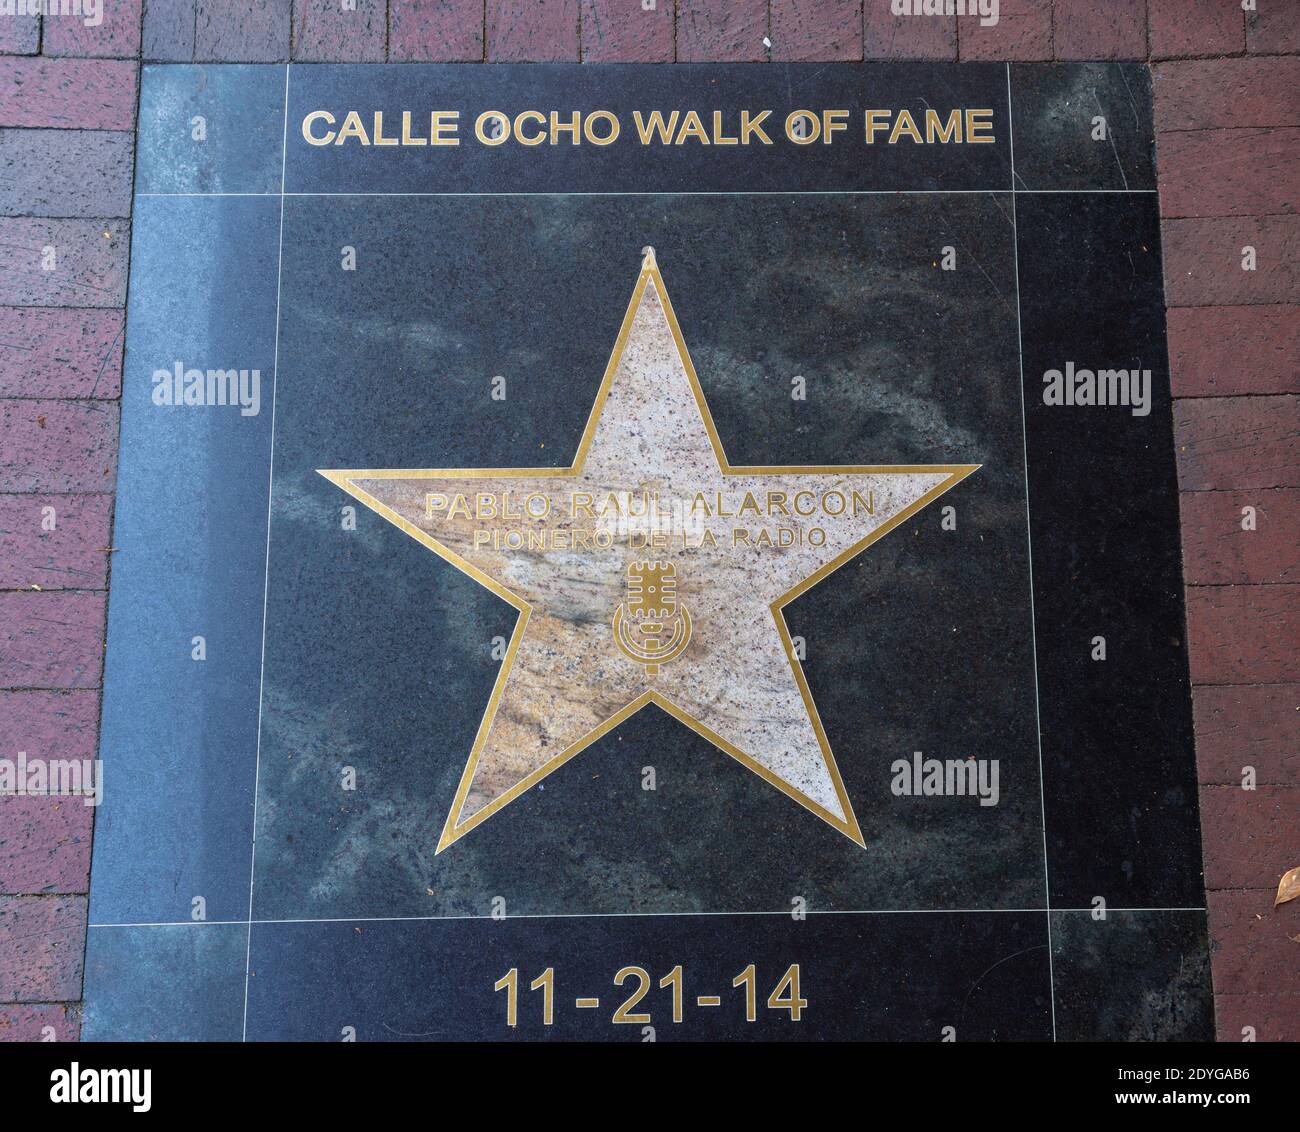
(647, 553)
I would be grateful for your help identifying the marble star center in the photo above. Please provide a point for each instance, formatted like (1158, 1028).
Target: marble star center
(650, 466)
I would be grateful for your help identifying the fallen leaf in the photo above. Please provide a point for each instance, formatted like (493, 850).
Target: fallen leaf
(1288, 887)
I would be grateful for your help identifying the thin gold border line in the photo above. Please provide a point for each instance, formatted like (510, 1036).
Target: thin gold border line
(453, 831)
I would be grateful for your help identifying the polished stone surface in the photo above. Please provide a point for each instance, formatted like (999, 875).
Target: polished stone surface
(1132, 976)
(1083, 126)
(885, 684)
(180, 735)
(210, 129)
(342, 716)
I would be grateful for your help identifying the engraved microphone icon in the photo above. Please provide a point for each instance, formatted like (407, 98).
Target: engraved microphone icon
(651, 626)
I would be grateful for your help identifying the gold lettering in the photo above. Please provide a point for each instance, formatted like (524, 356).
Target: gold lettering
(934, 127)
(573, 127)
(877, 120)
(834, 122)
(655, 125)
(407, 137)
(589, 131)
(442, 123)
(904, 124)
(352, 128)
(692, 127)
(491, 116)
(533, 139)
(977, 122)
(754, 125)
(379, 130)
(318, 115)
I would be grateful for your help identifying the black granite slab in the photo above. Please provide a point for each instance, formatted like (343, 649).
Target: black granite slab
(331, 648)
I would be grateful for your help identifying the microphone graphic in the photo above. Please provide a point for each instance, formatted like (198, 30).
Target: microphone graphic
(651, 626)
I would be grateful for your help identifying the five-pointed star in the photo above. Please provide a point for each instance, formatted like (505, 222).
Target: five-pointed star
(564, 682)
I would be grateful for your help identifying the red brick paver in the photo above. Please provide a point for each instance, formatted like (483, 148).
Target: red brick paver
(1240, 537)
(325, 31)
(39, 1022)
(70, 94)
(439, 31)
(1181, 29)
(889, 36)
(45, 842)
(1228, 153)
(241, 31)
(48, 352)
(53, 725)
(1249, 835)
(1251, 941)
(51, 640)
(1023, 31)
(66, 167)
(1273, 28)
(1243, 172)
(715, 32)
(1225, 93)
(54, 542)
(65, 173)
(817, 30)
(20, 35)
(1267, 1017)
(116, 36)
(63, 263)
(57, 445)
(1225, 443)
(1244, 634)
(1239, 726)
(1100, 29)
(1216, 351)
(1207, 258)
(42, 942)
(532, 31)
(168, 33)
(625, 31)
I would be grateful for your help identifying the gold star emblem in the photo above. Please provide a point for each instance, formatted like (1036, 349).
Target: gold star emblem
(650, 571)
